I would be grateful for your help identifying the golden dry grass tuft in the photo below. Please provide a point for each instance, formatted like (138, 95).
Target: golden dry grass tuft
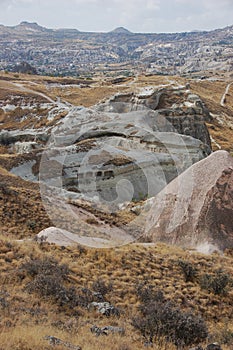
(27, 317)
(21, 208)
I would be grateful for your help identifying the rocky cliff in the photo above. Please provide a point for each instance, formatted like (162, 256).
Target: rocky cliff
(126, 148)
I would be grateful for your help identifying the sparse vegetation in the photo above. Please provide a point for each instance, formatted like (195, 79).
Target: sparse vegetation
(161, 320)
(46, 288)
(101, 287)
(216, 283)
(189, 271)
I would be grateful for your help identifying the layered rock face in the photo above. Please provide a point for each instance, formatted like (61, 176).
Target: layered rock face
(126, 148)
(195, 209)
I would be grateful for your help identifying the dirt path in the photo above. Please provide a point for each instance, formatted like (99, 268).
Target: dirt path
(22, 88)
(223, 99)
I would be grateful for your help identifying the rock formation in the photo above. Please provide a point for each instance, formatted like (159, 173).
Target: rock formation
(25, 68)
(195, 209)
(126, 148)
(123, 149)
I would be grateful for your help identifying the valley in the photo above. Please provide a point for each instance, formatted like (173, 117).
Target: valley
(116, 184)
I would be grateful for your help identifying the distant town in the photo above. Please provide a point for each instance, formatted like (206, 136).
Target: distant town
(63, 52)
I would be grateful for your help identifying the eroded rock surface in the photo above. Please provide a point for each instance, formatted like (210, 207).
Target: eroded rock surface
(195, 209)
(122, 150)
(126, 148)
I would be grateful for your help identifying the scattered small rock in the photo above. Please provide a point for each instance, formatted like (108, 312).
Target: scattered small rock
(106, 330)
(56, 341)
(105, 308)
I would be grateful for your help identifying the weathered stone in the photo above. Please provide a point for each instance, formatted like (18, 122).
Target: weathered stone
(98, 331)
(25, 147)
(56, 341)
(125, 149)
(155, 150)
(195, 210)
(105, 308)
(11, 137)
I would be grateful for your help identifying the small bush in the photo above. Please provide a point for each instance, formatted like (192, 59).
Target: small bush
(147, 294)
(85, 297)
(46, 285)
(51, 286)
(216, 283)
(188, 330)
(189, 271)
(82, 250)
(160, 319)
(99, 286)
(48, 281)
(46, 266)
(3, 303)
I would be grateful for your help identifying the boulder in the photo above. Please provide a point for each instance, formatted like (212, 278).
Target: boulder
(105, 308)
(195, 210)
(63, 237)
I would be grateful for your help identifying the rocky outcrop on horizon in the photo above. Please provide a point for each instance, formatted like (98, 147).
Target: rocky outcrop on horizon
(71, 52)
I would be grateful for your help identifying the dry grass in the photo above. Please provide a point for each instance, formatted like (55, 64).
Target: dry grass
(86, 96)
(21, 209)
(27, 318)
(89, 93)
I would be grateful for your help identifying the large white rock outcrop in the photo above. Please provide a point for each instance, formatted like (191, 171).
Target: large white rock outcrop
(196, 209)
